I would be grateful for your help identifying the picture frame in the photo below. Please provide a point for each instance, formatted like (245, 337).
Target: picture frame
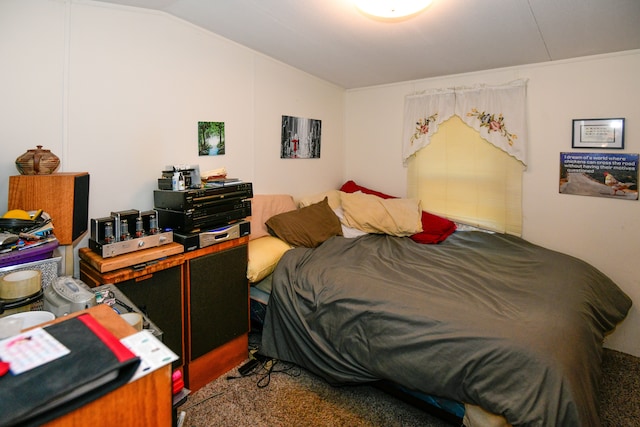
(211, 139)
(599, 174)
(598, 133)
(300, 138)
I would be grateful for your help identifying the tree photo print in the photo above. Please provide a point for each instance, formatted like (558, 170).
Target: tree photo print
(210, 138)
(599, 174)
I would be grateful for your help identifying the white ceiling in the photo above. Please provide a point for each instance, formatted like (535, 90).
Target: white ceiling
(332, 40)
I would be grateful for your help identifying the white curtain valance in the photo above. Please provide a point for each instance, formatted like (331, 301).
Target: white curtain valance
(496, 112)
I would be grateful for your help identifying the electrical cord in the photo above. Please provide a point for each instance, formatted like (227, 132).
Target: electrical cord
(263, 370)
(186, 408)
(264, 367)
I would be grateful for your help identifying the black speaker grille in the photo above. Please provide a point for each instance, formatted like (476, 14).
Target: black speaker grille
(80, 206)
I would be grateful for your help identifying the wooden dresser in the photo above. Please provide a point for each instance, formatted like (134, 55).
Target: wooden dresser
(144, 402)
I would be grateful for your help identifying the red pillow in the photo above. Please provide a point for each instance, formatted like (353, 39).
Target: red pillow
(352, 187)
(435, 229)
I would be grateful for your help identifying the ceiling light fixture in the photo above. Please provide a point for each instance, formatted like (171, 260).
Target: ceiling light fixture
(391, 9)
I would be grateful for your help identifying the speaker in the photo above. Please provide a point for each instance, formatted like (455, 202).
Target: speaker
(218, 299)
(64, 196)
(159, 296)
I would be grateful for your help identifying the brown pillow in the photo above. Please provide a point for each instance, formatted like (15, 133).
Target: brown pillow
(263, 207)
(308, 226)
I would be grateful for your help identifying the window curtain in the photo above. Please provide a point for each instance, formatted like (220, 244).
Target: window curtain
(461, 176)
(496, 112)
(465, 151)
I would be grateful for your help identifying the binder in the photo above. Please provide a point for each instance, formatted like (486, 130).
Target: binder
(96, 364)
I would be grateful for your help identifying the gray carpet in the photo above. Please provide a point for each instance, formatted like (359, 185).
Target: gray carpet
(294, 397)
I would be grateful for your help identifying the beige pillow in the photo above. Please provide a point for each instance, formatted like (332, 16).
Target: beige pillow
(332, 195)
(372, 214)
(307, 227)
(263, 207)
(264, 254)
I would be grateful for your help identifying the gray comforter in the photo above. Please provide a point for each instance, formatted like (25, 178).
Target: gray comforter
(486, 319)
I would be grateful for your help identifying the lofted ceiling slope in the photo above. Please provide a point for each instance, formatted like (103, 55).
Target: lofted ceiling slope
(333, 41)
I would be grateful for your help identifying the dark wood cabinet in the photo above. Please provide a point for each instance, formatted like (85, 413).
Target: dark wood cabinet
(218, 299)
(199, 299)
(156, 289)
(217, 310)
(159, 296)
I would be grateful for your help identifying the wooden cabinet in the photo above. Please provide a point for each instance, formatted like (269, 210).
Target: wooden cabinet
(200, 300)
(146, 401)
(217, 310)
(154, 286)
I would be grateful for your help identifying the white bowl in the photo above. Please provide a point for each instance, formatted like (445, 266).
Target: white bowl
(32, 318)
(9, 327)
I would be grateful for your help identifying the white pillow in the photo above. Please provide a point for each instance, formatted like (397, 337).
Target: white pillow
(348, 232)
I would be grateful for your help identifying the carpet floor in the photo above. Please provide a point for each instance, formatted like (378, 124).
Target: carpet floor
(291, 396)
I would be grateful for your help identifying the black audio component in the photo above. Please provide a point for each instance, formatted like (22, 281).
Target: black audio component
(228, 205)
(193, 221)
(202, 197)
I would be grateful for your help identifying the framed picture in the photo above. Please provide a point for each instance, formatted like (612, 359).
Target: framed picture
(598, 133)
(300, 138)
(613, 175)
(211, 141)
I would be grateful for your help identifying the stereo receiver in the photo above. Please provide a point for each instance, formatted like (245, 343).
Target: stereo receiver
(192, 221)
(202, 197)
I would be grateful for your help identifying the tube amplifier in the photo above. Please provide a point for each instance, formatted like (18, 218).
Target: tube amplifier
(127, 231)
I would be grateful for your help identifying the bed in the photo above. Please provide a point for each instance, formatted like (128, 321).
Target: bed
(509, 331)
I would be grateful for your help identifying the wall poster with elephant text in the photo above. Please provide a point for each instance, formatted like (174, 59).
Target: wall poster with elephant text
(599, 174)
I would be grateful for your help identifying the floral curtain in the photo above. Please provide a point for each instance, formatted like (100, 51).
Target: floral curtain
(496, 112)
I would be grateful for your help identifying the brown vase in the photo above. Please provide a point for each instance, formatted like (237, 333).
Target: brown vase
(37, 162)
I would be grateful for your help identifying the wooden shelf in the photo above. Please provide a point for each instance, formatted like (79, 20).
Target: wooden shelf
(213, 297)
(104, 265)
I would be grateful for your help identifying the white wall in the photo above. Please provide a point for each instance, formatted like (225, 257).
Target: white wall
(118, 92)
(602, 231)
